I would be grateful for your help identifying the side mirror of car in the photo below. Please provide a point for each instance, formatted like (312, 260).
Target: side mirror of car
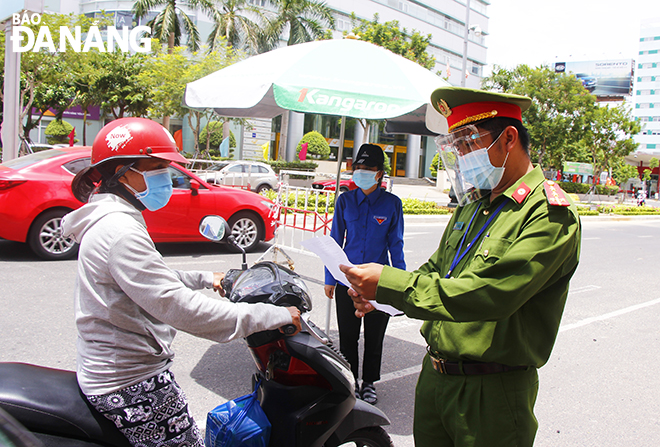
(214, 228)
(194, 186)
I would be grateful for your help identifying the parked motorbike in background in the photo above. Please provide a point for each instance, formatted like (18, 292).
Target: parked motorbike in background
(307, 388)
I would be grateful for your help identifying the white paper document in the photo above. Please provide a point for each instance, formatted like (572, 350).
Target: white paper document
(332, 257)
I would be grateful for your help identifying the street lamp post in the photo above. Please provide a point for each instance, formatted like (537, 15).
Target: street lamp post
(465, 42)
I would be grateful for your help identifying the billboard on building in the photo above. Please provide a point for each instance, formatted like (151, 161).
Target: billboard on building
(610, 79)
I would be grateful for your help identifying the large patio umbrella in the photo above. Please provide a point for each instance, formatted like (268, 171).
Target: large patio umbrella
(343, 77)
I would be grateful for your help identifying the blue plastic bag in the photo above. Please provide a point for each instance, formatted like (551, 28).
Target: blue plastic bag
(239, 422)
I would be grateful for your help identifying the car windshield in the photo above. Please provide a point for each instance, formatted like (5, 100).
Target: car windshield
(29, 160)
(216, 166)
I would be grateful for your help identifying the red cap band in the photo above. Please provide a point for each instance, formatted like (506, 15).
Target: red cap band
(477, 111)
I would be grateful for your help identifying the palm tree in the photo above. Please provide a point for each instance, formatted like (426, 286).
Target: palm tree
(305, 20)
(237, 29)
(167, 26)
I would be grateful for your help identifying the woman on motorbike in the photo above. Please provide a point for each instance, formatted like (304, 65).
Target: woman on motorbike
(129, 303)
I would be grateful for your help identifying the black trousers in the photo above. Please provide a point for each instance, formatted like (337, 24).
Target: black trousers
(375, 324)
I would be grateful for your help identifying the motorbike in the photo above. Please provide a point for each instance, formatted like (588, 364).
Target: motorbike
(307, 388)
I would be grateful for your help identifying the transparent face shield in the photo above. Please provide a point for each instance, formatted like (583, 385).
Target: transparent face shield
(464, 154)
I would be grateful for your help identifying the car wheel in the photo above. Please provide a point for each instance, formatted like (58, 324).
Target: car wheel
(245, 228)
(263, 187)
(343, 189)
(45, 237)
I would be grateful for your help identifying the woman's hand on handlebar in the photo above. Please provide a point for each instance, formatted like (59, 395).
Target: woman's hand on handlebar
(217, 280)
(295, 322)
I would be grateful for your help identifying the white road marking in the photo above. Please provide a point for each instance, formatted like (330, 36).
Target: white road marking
(608, 315)
(400, 373)
(415, 369)
(589, 288)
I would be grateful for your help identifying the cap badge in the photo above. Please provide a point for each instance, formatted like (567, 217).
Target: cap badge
(443, 108)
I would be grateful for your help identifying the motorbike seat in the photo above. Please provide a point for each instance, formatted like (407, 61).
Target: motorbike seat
(49, 401)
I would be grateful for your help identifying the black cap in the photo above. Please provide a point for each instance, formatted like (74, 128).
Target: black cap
(370, 155)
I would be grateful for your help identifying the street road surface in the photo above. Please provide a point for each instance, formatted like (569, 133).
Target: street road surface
(598, 389)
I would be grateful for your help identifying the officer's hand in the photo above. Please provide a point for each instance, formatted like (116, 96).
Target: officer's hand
(217, 279)
(295, 321)
(329, 291)
(364, 278)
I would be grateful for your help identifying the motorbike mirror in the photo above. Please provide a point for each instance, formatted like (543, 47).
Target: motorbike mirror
(214, 228)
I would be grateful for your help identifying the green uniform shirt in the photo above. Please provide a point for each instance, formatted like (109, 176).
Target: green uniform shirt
(504, 300)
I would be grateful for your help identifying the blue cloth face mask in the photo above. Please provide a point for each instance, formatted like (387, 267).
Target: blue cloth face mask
(364, 179)
(477, 170)
(159, 188)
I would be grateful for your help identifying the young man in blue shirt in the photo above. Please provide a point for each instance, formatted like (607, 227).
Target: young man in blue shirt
(368, 223)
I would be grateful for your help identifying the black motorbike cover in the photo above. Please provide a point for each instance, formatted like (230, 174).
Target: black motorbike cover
(49, 401)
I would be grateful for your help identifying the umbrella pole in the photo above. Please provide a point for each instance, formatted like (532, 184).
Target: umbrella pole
(340, 155)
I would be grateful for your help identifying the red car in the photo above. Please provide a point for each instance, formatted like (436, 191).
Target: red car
(346, 183)
(35, 192)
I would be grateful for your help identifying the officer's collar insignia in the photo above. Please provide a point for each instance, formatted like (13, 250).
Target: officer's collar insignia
(521, 192)
(555, 194)
(444, 108)
(458, 226)
(380, 219)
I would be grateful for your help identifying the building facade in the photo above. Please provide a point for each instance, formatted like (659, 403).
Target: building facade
(647, 87)
(646, 98)
(458, 30)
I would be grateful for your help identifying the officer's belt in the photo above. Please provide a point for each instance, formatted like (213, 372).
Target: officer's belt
(464, 368)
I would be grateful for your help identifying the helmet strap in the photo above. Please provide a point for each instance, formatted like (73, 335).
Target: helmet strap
(114, 186)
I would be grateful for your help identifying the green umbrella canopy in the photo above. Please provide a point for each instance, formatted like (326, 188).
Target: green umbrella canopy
(343, 77)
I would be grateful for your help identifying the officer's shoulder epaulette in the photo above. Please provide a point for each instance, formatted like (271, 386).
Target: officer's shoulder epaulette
(555, 194)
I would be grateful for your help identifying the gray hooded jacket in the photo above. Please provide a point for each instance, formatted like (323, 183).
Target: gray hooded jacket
(129, 303)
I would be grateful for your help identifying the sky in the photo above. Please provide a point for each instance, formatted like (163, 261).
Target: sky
(536, 32)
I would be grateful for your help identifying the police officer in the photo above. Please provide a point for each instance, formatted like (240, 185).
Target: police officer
(493, 293)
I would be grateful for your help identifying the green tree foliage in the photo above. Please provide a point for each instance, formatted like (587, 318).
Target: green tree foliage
(609, 136)
(387, 166)
(46, 76)
(388, 35)
(170, 23)
(57, 132)
(166, 75)
(317, 146)
(305, 21)
(213, 134)
(557, 119)
(622, 172)
(436, 164)
(118, 87)
(233, 26)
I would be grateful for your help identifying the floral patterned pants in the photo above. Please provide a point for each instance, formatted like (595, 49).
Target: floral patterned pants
(151, 413)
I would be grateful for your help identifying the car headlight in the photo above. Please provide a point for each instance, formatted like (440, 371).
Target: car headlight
(267, 204)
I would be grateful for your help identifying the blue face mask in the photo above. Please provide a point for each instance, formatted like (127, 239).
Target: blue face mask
(478, 171)
(364, 179)
(159, 188)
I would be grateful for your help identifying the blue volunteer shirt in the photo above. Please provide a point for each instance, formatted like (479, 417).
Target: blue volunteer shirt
(367, 227)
